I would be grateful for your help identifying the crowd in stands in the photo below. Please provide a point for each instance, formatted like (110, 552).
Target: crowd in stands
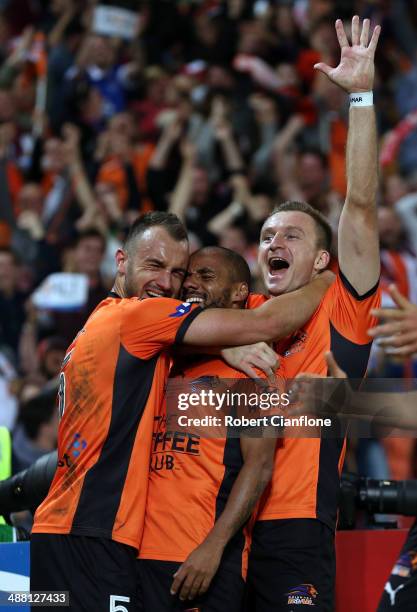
(212, 111)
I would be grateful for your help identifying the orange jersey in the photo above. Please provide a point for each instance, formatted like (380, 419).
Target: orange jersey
(190, 482)
(305, 483)
(113, 172)
(111, 385)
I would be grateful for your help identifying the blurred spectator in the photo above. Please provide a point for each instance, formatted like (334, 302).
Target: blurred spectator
(125, 170)
(98, 57)
(36, 430)
(406, 209)
(51, 352)
(12, 301)
(86, 258)
(400, 267)
(154, 102)
(397, 265)
(8, 400)
(234, 237)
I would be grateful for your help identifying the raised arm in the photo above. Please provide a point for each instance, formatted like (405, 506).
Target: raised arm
(358, 244)
(183, 191)
(170, 135)
(80, 182)
(277, 318)
(284, 159)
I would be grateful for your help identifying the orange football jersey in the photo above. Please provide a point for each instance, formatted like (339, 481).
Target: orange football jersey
(305, 482)
(111, 385)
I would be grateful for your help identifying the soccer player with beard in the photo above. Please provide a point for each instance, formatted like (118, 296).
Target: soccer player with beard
(193, 551)
(87, 531)
(292, 562)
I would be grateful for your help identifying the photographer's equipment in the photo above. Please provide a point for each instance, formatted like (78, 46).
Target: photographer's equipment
(28, 488)
(374, 496)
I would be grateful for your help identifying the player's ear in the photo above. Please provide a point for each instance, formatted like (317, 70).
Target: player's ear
(322, 261)
(121, 259)
(240, 292)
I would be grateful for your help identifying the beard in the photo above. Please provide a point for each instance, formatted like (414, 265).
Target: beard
(222, 301)
(130, 289)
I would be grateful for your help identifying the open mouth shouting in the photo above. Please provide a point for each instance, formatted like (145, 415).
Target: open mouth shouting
(277, 266)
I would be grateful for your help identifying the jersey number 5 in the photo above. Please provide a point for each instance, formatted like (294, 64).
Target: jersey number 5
(114, 603)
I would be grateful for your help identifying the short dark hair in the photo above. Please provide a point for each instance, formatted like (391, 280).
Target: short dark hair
(237, 266)
(170, 222)
(38, 411)
(323, 228)
(90, 232)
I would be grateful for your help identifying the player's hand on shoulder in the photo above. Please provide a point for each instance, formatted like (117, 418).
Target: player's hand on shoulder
(313, 394)
(251, 357)
(194, 576)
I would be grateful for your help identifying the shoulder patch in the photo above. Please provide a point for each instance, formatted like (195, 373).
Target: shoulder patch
(181, 310)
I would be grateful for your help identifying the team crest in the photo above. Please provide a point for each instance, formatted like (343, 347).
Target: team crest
(297, 344)
(204, 382)
(302, 595)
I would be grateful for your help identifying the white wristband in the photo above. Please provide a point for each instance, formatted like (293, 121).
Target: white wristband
(363, 98)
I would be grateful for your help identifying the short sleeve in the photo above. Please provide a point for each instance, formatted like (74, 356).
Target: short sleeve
(349, 312)
(255, 300)
(151, 325)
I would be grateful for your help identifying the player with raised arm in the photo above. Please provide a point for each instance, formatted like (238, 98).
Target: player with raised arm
(292, 558)
(87, 531)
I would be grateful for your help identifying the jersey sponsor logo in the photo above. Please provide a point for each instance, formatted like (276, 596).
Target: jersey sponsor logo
(181, 310)
(203, 382)
(297, 344)
(78, 445)
(65, 461)
(74, 450)
(406, 564)
(166, 444)
(303, 594)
